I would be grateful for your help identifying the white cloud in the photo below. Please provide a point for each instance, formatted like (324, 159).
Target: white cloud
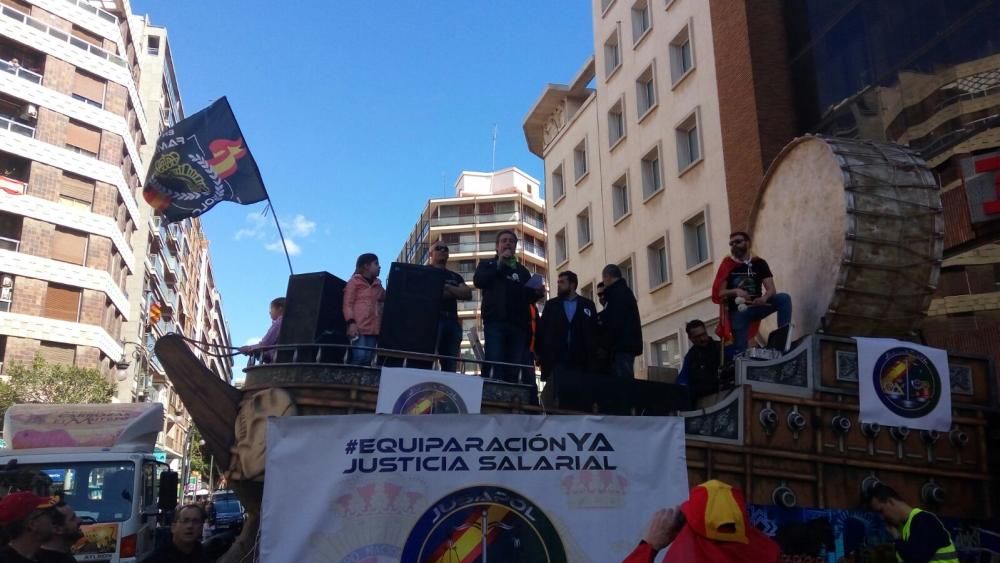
(300, 226)
(260, 227)
(293, 247)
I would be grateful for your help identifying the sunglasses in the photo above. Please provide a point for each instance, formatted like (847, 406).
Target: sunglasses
(441, 248)
(738, 241)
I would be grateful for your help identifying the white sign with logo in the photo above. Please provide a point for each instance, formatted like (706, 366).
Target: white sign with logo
(423, 391)
(904, 384)
(552, 489)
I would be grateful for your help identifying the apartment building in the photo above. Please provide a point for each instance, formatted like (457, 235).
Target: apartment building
(634, 165)
(484, 204)
(72, 125)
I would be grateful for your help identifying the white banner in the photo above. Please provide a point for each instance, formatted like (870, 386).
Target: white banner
(502, 488)
(904, 384)
(424, 391)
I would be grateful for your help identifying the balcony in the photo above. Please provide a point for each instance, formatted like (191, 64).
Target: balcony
(12, 124)
(170, 268)
(12, 186)
(535, 249)
(20, 72)
(103, 14)
(474, 219)
(174, 235)
(465, 247)
(38, 25)
(534, 221)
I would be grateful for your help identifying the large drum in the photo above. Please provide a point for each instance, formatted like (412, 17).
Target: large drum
(854, 232)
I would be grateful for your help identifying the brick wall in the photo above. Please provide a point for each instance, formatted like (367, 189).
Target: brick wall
(59, 75)
(36, 237)
(20, 350)
(105, 200)
(29, 297)
(99, 253)
(51, 19)
(92, 307)
(87, 357)
(44, 181)
(756, 108)
(115, 99)
(51, 127)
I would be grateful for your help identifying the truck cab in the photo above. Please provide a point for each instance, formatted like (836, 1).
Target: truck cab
(100, 460)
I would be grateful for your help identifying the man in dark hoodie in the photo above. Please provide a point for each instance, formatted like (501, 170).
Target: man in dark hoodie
(502, 281)
(621, 330)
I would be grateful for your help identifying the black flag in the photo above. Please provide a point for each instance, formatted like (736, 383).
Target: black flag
(201, 161)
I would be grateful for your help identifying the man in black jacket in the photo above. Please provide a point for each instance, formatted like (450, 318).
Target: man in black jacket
(567, 333)
(504, 308)
(621, 330)
(185, 545)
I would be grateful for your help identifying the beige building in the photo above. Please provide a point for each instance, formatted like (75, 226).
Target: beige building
(484, 204)
(634, 165)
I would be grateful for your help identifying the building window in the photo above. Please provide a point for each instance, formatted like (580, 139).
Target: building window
(580, 164)
(616, 123)
(641, 20)
(69, 246)
(86, 36)
(626, 268)
(583, 237)
(153, 45)
(621, 206)
(652, 179)
(645, 92)
(587, 291)
(681, 55)
(605, 4)
(76, 191)
(612, 54)
(659, 266)
(89, 88)
(561, 252)
(688, 142)
(696, 240)
(57, 353)
(83, 138)
(558, 184)
(62, 302)
(667, 352)
(6, 291)
(10, 231)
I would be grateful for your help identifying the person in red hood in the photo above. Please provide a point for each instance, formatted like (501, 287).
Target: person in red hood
(712, 526)
(745, 292)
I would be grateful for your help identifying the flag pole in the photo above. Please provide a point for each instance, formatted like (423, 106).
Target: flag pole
(270, 205)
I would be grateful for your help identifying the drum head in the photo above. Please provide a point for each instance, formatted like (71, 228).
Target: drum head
(799, 226)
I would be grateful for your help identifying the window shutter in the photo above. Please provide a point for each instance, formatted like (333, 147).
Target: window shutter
(55, 353)
(81, 136)
(89, 87)
(62, 303)
(69, 246)
(77, 188)
(87, 36)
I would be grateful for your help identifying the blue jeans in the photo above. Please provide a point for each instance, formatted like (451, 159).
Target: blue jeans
(360, 356)
(623, 365)
(779, 303)
(448, 343)
(504, 343)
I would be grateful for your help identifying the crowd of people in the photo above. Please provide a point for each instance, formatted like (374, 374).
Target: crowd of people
(569, 332)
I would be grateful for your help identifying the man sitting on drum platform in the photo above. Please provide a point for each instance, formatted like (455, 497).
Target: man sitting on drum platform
(744, 289)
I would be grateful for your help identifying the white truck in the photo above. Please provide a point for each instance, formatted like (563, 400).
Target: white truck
(100, 460)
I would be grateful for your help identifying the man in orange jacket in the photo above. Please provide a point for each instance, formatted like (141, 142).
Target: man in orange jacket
(712, 526)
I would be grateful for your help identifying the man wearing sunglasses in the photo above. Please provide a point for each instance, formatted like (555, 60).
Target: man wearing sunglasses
(744, 289)
(449, 337)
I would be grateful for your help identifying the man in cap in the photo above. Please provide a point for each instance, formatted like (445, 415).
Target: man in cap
(29, 521)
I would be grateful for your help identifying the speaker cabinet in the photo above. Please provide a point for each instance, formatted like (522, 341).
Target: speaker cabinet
(314, 309)
(412, 308)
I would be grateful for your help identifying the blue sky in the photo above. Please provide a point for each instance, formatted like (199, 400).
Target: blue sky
(357, 113)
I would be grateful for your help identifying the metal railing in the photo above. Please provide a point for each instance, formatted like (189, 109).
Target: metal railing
(9, 244)
(535, 249)
(103, 14)
(474, 219)
(457, 247)
(20, 72)
(13, 125)
(534, 221)
(61, 35)
(339, 355)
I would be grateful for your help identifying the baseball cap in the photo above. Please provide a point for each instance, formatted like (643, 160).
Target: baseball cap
(17, 506)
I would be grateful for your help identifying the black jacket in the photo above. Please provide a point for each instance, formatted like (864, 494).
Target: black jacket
(505, 297)
(570, 343)
(621, 331)
(170, 554)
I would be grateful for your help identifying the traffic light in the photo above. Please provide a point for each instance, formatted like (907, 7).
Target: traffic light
(154, 313)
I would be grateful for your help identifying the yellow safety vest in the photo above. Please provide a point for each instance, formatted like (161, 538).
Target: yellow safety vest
(947, 554)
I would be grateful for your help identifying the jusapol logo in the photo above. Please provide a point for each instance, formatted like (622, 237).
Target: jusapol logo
(430, 398)
(907, 382)
(484, 523)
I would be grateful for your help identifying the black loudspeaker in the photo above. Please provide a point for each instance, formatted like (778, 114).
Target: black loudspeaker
(412, 308)
(313, 309)
(654, 398)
